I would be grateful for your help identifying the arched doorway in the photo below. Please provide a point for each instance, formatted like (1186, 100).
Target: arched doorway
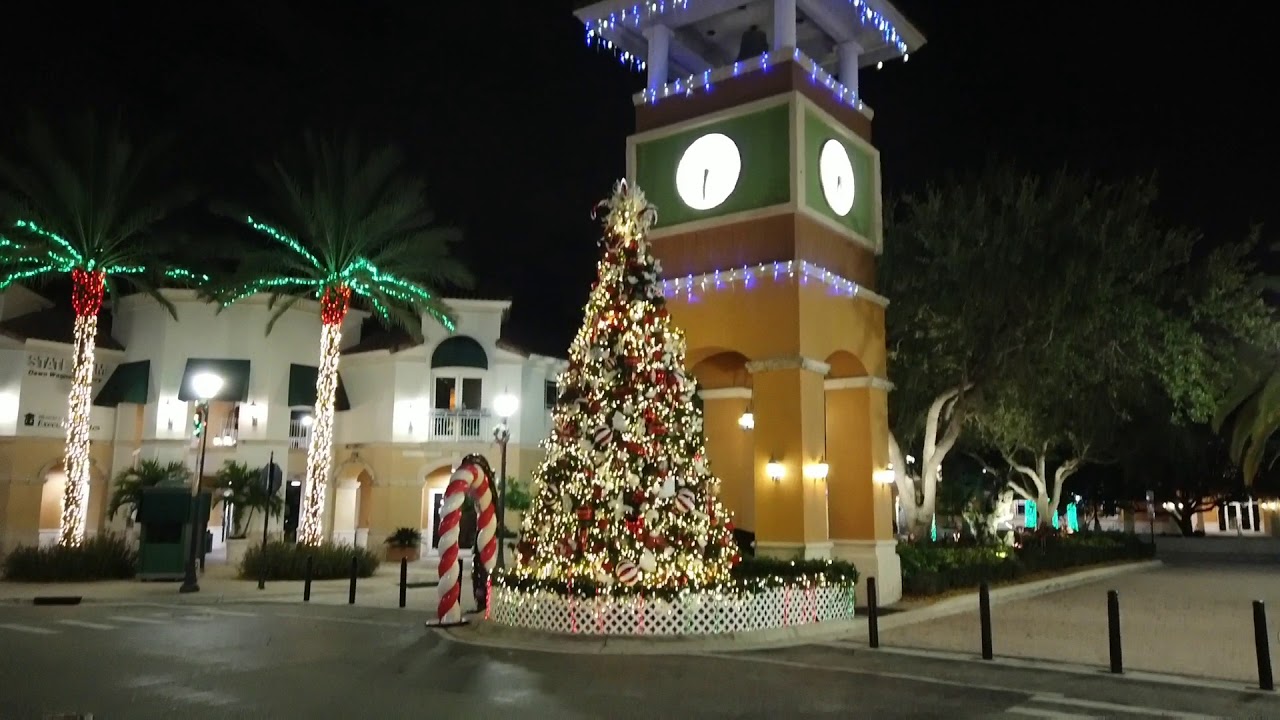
(432, 496)
(724, 389)
(53, 487)
(351, 502)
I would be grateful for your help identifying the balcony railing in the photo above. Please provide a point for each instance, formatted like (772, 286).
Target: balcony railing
(299, 434)
(458, 425)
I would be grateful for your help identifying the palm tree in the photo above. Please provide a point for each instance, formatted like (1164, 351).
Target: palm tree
(246, 493)
(346, 224)
(1251, 410)
(129, 483)
(84, 203)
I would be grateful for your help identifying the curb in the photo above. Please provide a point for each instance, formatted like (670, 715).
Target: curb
(969, 601)
(1021, 663)
(489, 634)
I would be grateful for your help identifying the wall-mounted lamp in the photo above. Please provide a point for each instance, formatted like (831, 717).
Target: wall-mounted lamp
(747, 420)
(255, 413)
(413, 410)
(817, 471)
(774, 470)
(884, 476)
(168, 412)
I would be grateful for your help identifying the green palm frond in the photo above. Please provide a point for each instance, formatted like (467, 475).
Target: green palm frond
(344, 215)
(87, 198)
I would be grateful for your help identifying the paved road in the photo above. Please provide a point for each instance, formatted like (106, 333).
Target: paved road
(289, 661)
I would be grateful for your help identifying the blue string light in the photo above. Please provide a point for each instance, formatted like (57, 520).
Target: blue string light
(639, 12)
(749, 276)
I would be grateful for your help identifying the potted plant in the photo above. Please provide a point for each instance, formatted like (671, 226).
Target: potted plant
(129, 483)
(403, 544)
(243, 490)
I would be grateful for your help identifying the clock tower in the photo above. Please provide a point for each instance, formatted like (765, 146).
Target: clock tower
(754, 144)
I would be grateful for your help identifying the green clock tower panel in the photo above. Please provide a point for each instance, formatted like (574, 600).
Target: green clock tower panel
(862, 218)
(763, 178)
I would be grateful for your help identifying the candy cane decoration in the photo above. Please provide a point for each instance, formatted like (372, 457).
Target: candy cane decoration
(471, 476)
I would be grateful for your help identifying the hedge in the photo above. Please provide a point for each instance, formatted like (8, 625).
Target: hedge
(288, 561)
(934, 568)
(103, 557)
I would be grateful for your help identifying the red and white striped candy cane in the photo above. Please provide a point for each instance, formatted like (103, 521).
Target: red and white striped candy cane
(469, 477)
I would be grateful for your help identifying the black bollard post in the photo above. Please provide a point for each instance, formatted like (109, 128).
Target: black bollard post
(873, 614)
(351, 593)
(306, 580)
(1113, 632)
(404, 579)
(1262, 644)
(984, 613)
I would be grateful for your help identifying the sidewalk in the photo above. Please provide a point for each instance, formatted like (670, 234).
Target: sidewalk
(219, 584)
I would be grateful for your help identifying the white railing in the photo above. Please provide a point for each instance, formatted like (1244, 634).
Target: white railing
(299, 434)
(457, 425)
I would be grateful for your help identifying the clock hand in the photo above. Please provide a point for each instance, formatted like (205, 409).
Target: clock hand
(706, 175)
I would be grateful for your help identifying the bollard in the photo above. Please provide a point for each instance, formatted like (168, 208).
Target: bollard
(1262, 644)
(404, 579)
(351, 594)
(984, 616)
(873, 614)
(1113, 632)
(306, 580)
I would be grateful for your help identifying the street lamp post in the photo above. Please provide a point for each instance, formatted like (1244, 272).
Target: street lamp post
(505, 406)
(206, 386)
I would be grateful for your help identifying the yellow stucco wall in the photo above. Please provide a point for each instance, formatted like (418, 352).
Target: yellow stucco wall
(775, 341)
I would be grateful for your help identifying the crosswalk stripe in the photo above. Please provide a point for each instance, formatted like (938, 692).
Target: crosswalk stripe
(1111, 708)
(201, 618)
(1037, 712)
(87, 624)
(228, 613)
(141, 621)
(28, 629)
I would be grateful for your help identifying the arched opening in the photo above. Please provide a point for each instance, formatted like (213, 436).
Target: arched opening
(458, 367)
(460, 351)
(433, 486)
(724, 391)
(856, 447)
(55, 484)
(351, 482)
(364, 508)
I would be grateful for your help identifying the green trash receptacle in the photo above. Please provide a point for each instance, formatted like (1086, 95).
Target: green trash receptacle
(164, 514)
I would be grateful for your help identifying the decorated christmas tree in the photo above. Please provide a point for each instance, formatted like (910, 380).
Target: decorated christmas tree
(625, 500)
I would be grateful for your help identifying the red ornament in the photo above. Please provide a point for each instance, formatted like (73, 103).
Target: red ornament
(585, 514)
(602, 523)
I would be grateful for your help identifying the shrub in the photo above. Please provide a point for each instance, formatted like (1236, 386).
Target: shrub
(288, 561)
(104, 557)
(405, 537)
(933, 568)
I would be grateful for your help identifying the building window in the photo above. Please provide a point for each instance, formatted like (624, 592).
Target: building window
(550, 394)
(458, 394)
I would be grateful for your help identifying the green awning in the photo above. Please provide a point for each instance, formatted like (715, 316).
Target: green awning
(302, 388)
(460, 351)
(234, 374)
(129, 382)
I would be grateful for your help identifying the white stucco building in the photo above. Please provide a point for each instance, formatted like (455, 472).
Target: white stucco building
(407, 411)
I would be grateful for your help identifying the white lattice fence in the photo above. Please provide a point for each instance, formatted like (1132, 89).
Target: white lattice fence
(697, 614)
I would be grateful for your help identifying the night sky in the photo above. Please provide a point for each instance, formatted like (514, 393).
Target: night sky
(519, 128)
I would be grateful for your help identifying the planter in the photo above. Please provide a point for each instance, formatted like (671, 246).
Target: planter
(397, 553)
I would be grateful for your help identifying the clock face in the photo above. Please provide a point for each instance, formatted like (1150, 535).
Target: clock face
(836, 173)
(708, 171)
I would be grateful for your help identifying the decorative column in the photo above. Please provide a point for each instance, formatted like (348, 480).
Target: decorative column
(791, 509)
(784, 25)
(849, 54)
(659, 37)
(861, 509)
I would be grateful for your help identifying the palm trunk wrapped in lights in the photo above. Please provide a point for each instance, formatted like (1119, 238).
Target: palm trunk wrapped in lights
(86, 298)
(334, 302)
